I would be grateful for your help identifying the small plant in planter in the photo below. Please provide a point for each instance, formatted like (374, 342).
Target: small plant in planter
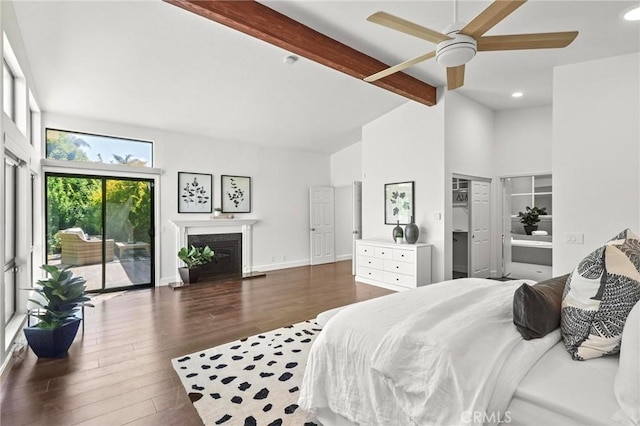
(193, 258)
(60, 298)
(530, 218)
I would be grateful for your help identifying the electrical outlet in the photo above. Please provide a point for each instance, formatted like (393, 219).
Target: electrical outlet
(574, 238)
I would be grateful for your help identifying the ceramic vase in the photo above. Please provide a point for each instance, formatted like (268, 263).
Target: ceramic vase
(411, 232)
(398, 234)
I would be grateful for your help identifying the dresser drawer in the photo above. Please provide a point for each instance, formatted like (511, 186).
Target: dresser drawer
(371, 262)
(384, 253)
(398, 267)
(404, 255)
(365, 250)
(399, 279)
(373, 274)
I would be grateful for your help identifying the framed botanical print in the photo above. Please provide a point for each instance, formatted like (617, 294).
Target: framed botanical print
(194, 192)
(398, 203)
(236, 194)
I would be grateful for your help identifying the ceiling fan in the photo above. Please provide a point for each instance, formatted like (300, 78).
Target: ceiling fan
(459, 42)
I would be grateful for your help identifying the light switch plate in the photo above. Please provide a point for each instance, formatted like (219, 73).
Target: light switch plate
(574, 238)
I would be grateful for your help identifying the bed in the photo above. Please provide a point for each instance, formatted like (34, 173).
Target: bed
(377, 350)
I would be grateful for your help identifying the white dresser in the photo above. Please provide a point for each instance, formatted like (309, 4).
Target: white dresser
(393, 266)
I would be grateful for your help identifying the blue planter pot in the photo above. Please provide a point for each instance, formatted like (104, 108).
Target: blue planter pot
(52, 343)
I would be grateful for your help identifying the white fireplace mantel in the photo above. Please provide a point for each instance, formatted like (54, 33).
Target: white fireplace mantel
(184, 228)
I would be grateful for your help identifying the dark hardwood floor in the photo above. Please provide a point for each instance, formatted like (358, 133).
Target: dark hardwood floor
(119, 372)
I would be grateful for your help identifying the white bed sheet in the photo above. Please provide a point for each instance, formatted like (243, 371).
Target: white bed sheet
(556, 391)
(347, 351)
(560, 391)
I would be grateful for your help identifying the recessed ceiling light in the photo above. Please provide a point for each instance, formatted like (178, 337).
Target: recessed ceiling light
(517, 94)
(633, 15)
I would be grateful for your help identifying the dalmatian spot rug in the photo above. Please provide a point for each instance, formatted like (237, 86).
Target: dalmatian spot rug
(252, 381)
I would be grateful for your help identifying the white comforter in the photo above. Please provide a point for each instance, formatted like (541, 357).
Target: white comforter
(446, 354)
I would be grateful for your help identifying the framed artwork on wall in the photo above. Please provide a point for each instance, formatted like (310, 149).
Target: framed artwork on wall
(398, 203)
(194, 192)
(236, 194)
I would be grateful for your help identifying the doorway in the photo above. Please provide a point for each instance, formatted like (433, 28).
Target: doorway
(471, 227)
(527, 256)
(101, 227)
(322, 225)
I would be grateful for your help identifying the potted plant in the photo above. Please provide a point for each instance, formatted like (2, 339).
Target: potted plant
(60, 298)
(193, 258)
(530, 218)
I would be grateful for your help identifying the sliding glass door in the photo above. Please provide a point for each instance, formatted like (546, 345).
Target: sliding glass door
(102, 227)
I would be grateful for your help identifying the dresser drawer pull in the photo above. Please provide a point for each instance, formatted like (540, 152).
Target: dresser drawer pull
(397, 267)
(369, 262)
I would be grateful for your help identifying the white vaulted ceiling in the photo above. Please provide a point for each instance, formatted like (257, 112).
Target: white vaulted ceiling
(151, 64)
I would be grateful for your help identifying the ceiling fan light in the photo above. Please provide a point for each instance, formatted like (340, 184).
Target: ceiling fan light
(457, 51)
(633, 15)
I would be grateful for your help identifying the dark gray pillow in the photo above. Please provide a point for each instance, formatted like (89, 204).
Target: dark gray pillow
(537, 308)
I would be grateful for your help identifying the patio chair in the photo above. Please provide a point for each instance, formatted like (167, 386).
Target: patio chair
(78, 249)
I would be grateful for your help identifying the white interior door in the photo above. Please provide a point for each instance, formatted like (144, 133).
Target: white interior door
(357, 221)
(506, 227)
(322, 226)
(480, 253)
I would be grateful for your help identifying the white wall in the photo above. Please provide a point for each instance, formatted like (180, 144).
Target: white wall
(280, 181)
(522, 146)
(523, 141)
(406, 144)
(16, 140)
(469, 140)
(596, 154)
(346, 165)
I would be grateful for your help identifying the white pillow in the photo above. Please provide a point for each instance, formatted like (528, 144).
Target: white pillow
(77, 231)
(627, 384)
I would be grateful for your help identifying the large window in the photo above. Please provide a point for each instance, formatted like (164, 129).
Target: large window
(76, 146)
(9, 94)
(10, 237)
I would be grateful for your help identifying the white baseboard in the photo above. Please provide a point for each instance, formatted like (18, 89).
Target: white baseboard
(282, 265)
(167, 281)
(342, 257)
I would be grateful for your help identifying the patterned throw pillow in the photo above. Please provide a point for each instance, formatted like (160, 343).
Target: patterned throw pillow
(598, 297)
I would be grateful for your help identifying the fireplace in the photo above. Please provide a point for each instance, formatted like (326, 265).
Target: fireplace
(186, 229)
(227, 259)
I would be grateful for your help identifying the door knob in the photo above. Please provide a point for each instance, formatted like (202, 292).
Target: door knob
(313, 229)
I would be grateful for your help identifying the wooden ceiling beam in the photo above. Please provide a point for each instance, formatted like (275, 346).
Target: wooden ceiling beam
(259, 21)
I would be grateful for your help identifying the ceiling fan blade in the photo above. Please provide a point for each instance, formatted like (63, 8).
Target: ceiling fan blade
(527, 41)
(455, 77)
(496, 12)
(407, 27)
(400, 67)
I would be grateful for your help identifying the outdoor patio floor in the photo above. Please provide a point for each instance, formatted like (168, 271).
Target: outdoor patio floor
(121, 272)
